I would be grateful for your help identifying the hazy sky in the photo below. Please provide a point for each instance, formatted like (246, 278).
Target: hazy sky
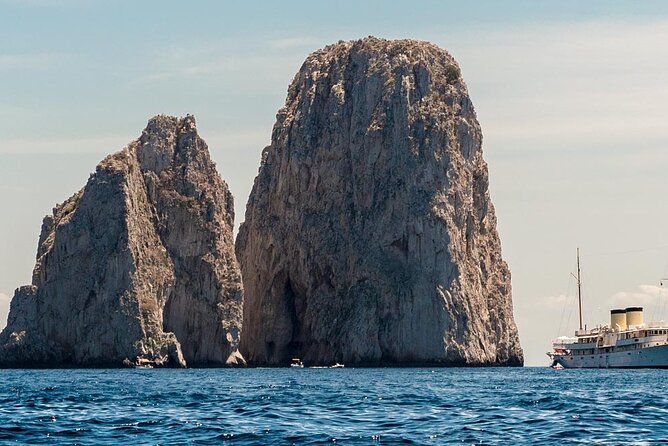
(572, 98)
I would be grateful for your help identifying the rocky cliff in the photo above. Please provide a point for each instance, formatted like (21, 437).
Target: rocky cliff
(136, 268)
(370, 237)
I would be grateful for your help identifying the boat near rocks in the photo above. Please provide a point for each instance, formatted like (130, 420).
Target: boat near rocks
(627, 342)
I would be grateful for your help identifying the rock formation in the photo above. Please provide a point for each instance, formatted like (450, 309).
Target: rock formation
(370, 237)
(136, 268)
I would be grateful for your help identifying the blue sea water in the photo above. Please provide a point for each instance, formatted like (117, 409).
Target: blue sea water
(333, 406)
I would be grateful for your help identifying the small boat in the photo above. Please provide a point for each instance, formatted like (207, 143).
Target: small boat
(337, 366)
(143, 363)
(144, 366)
(296, 362)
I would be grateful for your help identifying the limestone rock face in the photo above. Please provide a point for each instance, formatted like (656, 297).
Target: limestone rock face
(370, 237)
(136, 268)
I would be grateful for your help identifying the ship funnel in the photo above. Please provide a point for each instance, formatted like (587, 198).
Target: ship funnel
(634, 316)
(618, 319)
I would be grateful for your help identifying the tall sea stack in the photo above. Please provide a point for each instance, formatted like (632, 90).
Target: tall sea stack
(138, 267)
(370, 237)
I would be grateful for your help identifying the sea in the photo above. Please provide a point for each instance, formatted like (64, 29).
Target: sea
(422, 406)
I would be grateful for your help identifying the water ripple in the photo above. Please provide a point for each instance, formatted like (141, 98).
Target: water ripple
(333, 406)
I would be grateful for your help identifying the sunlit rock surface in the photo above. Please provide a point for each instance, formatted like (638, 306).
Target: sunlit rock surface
(137, 268)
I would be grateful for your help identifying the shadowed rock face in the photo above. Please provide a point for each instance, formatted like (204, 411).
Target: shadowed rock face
(370, 237)
(136, 268)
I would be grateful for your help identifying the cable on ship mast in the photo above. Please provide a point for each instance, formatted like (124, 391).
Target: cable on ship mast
(579, 289)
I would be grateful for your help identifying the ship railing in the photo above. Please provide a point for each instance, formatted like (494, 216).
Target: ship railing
(564, 341)
(660, 324)
(593, 331)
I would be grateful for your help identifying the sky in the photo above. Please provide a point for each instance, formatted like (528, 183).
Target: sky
(571, 97)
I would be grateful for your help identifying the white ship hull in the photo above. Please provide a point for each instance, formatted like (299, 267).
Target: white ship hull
(647, 357)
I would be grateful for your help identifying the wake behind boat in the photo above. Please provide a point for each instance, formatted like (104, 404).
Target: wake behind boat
(628, 342)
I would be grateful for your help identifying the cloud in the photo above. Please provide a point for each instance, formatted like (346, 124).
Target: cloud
(594, 84)
(43, 3)
(556, 302)
(101, 145)
(251, 63)
(538, 89)
(292, 42)
(4, 309)
(651, 297)
(41, 60)
(219, 66)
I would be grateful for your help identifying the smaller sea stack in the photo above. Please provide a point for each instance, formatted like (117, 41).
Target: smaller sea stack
(138, 267)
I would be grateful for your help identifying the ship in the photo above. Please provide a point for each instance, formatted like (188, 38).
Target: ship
(627, 342)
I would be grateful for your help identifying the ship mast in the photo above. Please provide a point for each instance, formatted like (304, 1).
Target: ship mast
(579, 290)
